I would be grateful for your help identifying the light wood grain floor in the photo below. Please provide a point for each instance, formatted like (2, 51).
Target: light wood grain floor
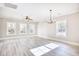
(22, 46)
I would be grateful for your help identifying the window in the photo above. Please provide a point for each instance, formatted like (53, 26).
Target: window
(32, 29)
(61, 28)
(23, 28)
(11, 28)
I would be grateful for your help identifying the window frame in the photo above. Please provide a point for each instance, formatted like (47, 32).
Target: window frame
(14, 27)
(64, 34)
(25, 25)
(33, 28)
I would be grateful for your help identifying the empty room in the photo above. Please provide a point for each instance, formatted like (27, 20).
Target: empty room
(39, 29)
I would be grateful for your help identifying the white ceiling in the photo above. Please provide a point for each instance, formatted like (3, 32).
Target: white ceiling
(40, 11)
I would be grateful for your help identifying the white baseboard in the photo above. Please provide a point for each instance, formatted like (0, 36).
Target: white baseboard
(64, 41)
(11, 37)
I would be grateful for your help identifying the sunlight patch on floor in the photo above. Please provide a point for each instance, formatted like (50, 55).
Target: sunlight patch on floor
(51, 46)
(43, 49)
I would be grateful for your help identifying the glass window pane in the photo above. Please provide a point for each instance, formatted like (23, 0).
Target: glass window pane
(11, 28)
(61, 27)
(32, 29)
(23, 28)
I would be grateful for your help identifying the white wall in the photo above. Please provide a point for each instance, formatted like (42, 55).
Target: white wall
(45, 29)
(49, 30)
(10, 15)
(73, 27)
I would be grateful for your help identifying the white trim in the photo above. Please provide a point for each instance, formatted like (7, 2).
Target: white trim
(64, 41)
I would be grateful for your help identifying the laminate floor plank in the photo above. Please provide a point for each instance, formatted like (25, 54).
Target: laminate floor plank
(22, 46)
